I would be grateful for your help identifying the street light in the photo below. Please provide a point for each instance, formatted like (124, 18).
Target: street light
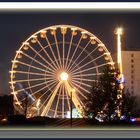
(37, 106)
(72, 91)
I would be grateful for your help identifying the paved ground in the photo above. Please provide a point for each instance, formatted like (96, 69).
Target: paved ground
(65, 124)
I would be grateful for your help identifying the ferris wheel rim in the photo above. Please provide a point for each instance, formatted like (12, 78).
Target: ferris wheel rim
(59, 26)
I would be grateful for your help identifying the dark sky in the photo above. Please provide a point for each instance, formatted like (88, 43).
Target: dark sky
(16, 27)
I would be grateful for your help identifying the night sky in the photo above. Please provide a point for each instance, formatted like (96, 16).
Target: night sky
(16, 27)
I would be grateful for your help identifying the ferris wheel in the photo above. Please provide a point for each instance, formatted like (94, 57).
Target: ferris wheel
(54, 69)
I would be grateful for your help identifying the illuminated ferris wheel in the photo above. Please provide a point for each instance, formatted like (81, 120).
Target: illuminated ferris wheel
(55, 66)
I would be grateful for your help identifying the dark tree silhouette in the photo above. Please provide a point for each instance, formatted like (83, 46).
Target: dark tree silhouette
(103, 96)
(128, 104)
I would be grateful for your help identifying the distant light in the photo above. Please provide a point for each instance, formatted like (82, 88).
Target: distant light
(53, 28)
(119, 31)
(14, 61)
(84, 32)
(75, 113)
(4, 120)
(101, 45)
(133, 119)
(106, 53)
(90, 115)
(73, 90)
(12, 71)
(38, 103)
(34, 36)
(111, 63)
(121, 79)
(19, 51)
(12, 82)
(68, 114)
(64, 76)
(123, 117)
(100, 120)
(14, 93)
(137, 119)
(25, 43)
(73, 29)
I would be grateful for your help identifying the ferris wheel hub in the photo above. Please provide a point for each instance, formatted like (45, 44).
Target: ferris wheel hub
(64, 76)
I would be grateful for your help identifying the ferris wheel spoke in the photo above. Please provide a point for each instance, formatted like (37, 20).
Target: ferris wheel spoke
(68, 99)
(63, 90)
(81, 101)
(31, 86)
(69, 49)
(82, 83)
(79, 90)
(36, 91)
(56, 108)
(81, 87)
(37, 61)
(86, 57)
(92, 60)
(85, 75)
(42, 105)
(47, 53)
(75, 51)
(31, 73)
(48, 105)
(53, 67)
(28, 65)
(51, 86)
(46, 82)
(31, 80)
(58, 53)
(58, 66)
(89, 62)
(83, 79)
(53, 82)
(80, 53)
(63, 49)
(98, 66)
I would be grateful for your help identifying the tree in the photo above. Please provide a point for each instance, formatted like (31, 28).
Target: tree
(103, 96)
(103, 93)
(128, 103)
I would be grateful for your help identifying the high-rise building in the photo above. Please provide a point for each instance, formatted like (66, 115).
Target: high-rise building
(131, 71)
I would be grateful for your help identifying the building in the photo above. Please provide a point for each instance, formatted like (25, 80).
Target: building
(131, 71)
